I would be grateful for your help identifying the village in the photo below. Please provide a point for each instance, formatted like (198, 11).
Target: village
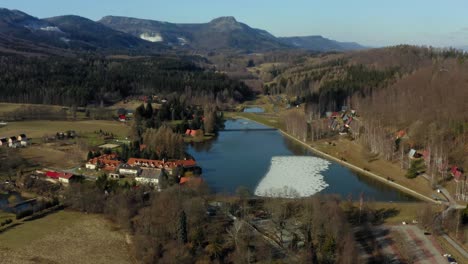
(153, 173)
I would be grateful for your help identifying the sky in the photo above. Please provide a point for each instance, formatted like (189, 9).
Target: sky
(368, 22)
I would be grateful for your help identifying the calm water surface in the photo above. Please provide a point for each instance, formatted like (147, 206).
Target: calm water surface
(242, 158)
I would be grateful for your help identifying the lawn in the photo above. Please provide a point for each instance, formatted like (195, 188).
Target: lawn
(37, 129)
(354, 153)
(64, 237)
(4, 216)
(405, 212)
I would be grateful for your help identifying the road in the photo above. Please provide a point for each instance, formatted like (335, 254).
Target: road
(452, 205)
(422, 248)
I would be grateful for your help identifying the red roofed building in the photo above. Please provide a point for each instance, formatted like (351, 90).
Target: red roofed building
(191, 180)
(186, 163)
(400, 134)
(161, 164)
(108, 162)
(193, 132)
(60, 176)
(456, 173)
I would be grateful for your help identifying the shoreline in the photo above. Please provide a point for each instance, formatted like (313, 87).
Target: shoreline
(351, 166)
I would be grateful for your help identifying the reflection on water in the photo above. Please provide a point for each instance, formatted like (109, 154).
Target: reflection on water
(242, 158)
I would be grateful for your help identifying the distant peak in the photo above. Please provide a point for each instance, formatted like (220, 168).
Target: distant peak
(228, 23)
(225, 19)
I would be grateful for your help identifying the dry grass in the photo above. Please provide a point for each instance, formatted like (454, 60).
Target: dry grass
(36, 129)
(405, 211)
(132, 105)
(49, 156)
(9, 107)
(352, 152)
(64, 237)
(4, 216)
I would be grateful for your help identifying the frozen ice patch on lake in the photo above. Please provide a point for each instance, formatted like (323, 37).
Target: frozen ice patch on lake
(293, 176)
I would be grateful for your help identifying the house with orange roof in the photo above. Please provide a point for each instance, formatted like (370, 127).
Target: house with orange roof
(191, 180)
(107, 162)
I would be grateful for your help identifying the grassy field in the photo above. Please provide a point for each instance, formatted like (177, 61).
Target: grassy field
(404, 211)
(55, 157)
(4, 216)
(9, 107)
(354, 153)
(36, 129)
(64, 237)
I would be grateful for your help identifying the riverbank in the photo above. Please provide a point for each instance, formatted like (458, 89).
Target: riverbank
(361, 170)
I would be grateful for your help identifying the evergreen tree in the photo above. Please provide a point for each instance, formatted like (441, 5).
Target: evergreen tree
(148, 111)
(182, 228)
(417, 166)
(90, 155)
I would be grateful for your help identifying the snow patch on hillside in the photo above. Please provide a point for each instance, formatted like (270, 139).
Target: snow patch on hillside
(182, 41)
(155, 37)
(51, 29)
(293, 176)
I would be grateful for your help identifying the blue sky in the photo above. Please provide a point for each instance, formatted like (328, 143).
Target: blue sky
(369, 22)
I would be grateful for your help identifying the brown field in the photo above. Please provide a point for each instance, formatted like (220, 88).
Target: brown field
(37, 129)
(48, 156)
(9, 107)
(132, 105)
(64, 237)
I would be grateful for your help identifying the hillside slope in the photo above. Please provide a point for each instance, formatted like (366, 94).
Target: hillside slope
(224, 33)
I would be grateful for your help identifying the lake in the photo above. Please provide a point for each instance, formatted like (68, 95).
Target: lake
(242, 157)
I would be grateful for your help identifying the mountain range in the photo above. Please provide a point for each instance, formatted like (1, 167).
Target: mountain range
(321, 44)
(21, 32)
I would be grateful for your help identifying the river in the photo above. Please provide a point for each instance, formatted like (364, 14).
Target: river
(240, 157)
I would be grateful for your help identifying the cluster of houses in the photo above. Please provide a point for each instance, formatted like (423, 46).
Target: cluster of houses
(342, 121)
(145, 171)
(14, 141)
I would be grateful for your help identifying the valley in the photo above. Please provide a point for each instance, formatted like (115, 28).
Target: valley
(131, 140)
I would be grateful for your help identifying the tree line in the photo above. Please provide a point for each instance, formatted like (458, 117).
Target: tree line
(93, 79)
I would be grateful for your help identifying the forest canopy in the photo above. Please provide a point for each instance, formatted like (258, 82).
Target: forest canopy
(95, 79)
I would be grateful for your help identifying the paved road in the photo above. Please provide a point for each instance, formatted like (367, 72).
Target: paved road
(452, 205)
(422, 248)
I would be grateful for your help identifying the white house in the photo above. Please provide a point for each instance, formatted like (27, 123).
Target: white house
(149, 176)
(126, 169)
(11, 141)
(66, 178)
(22, 137)
(90, 166)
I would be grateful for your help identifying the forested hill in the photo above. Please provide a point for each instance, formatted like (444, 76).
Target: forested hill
(421, 91)
(84, 80)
